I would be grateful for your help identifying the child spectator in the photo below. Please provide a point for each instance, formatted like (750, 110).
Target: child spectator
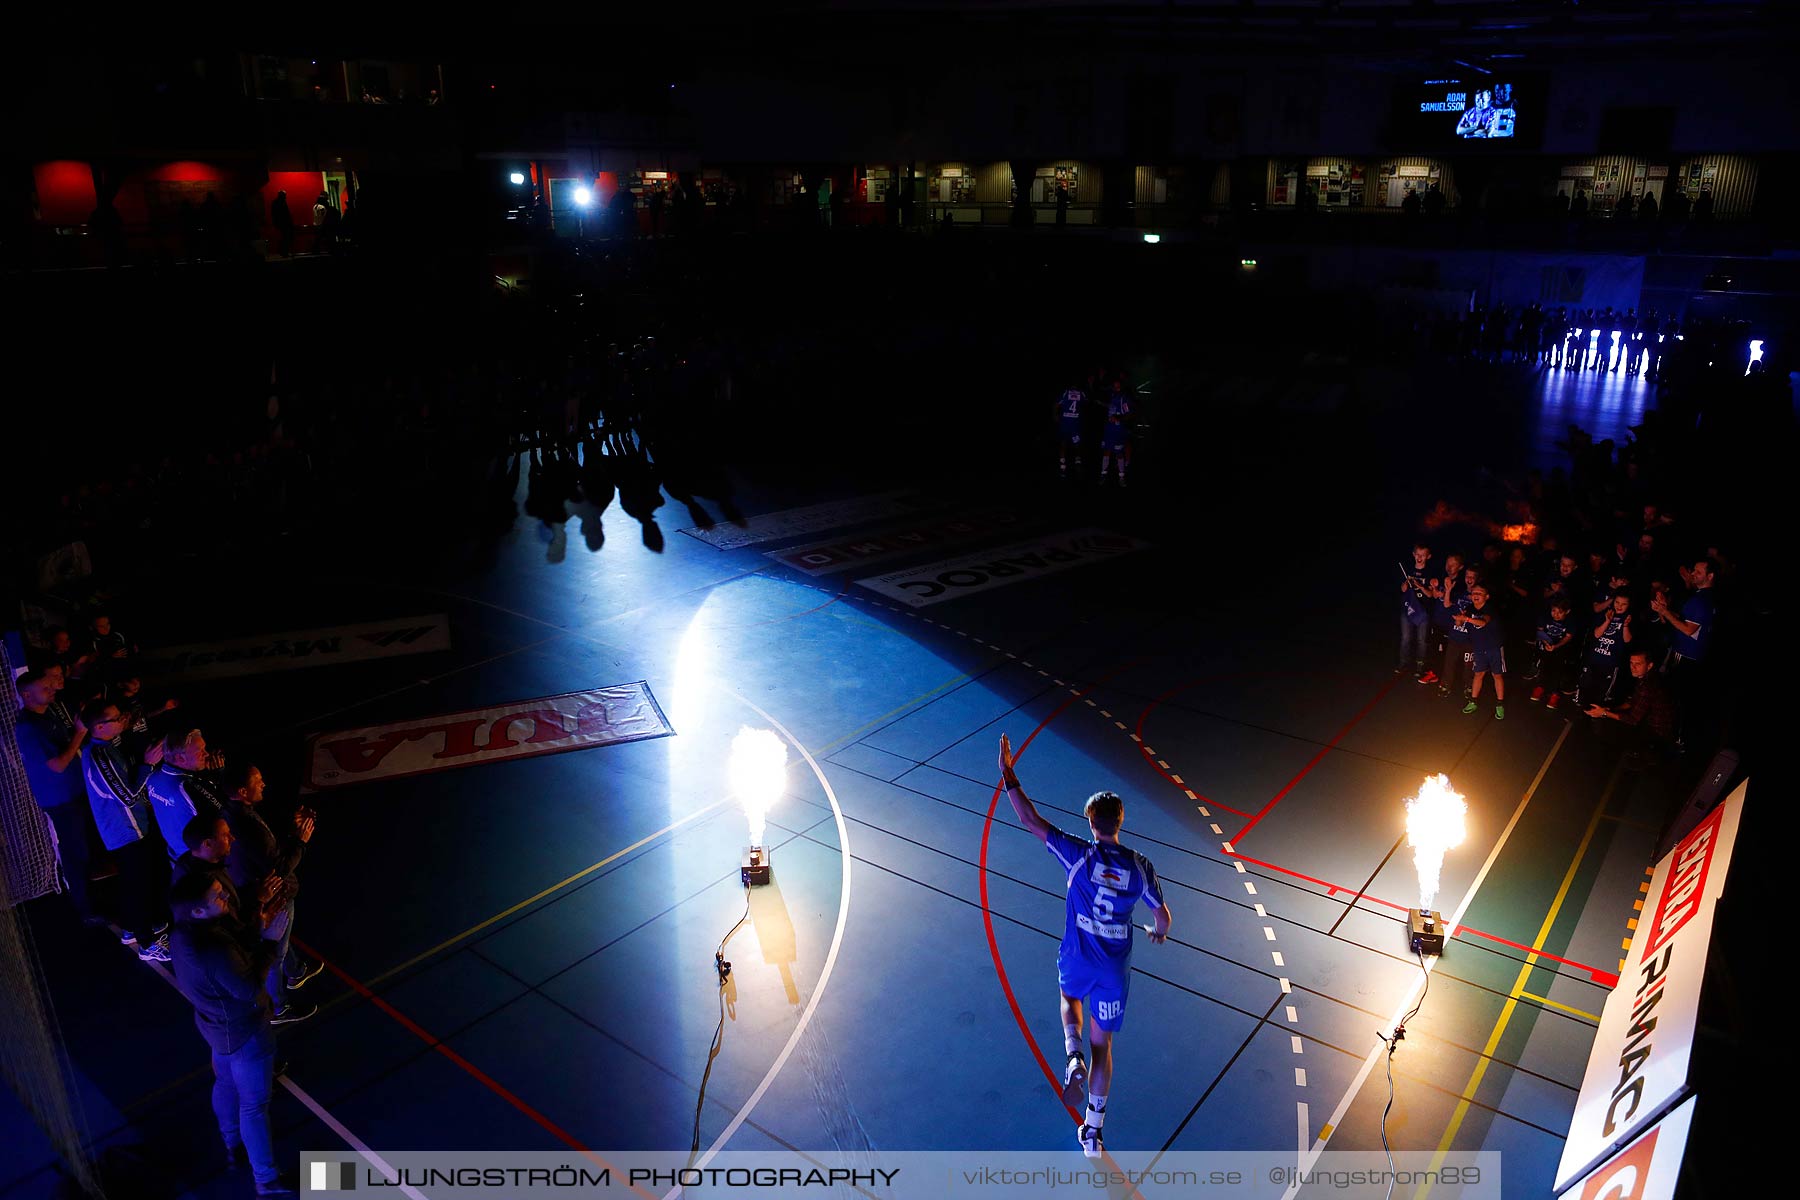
(1555, 655)
(1415, 612)
(1606, 653)
(1453, 603)
(1487, 649)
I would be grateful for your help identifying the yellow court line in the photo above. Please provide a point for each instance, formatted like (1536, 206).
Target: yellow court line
(1573, 1012)
(615, 856)
(829, 747)
(1518, 988)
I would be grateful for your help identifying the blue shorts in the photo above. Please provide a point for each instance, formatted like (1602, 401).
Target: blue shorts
(1104, 989)
(1113, 437)
(1071, 429)
(1491, 661)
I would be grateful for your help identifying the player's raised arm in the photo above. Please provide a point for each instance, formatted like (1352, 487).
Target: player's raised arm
(1021, 803)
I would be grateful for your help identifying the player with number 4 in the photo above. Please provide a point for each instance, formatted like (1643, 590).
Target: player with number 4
(1093, 965)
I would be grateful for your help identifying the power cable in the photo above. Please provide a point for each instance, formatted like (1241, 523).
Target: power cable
(723, 969)
(1393, 1044)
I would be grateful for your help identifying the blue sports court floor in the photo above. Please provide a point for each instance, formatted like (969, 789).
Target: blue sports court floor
(521, 953)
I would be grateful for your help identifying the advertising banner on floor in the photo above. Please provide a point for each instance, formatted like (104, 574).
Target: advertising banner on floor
(1639, 1064)
(605, 716)
(264, 652)
(953, 578)
(838, 554)
(1644, 1170)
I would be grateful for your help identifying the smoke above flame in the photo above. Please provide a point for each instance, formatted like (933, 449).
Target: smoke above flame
(1434, 824)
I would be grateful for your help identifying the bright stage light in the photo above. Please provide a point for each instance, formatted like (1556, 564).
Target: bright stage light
(516, 178)
(583, 197)
(758, 777)
(1434, 824)
(1152, 238)
(1756, 354)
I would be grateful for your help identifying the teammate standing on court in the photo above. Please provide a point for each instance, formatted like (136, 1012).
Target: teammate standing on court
(1093, 964)
(1115, 436)
(1070, 408)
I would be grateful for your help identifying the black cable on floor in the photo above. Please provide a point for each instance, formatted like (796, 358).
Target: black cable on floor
(723, 969)
(1393, 1044)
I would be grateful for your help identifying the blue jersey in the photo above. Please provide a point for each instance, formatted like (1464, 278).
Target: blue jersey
(1551, 632)
(1104, 881)
(1490, 636)
(1610, 638)
(1413, 600)
(1699, 609)
(1459, 603)
(1118, 407)
(1069, 407)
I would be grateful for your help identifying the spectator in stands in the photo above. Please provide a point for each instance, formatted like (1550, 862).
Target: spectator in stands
(261, 856)
(1554, 669)
(281, 218)
(1691, 635)
(220, 973)
(209, 845)
(1415, 612)
(106, 644)
(185, 785)
(1453, 604)
(1487, 646)
(1649, 713)
(50, 738)
(119, 799)
(65, 654)
(1606, 653)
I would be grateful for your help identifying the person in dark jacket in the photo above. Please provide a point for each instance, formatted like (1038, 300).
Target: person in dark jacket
(220, 972)
(119, 798)
(282, 218)
(260, 856)
(209, 844)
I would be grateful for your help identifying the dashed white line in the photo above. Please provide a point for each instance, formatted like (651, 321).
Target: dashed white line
(1216, 829)
(1299, 1047)
(1190, 794)
(1248, 886)
(1300, 1078)
(1268, 931)
(1176, 779)
(1204, 811)
(1276, 955)
(1159, 762)
(1286, 987)
(1293, 1015)
(1241, 871)
(1261, 911)
(1090, 702)
(1135, 737)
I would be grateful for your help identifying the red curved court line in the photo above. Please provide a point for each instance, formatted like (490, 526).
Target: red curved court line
(1184, 786)
(1316, 759)
(482, 1077)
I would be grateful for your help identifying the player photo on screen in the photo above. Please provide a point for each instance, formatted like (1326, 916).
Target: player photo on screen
(1490, 115)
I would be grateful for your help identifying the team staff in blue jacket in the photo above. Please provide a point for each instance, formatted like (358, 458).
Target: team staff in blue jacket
(183, 785)
(119, 796)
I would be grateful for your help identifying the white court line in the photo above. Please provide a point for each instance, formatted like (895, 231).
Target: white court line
(1368, 1064)
(167, 974)
(373, 1159)
(837, 941)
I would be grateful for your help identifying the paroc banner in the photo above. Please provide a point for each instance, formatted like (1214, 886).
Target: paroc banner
(1639, 1065)
(625, 712)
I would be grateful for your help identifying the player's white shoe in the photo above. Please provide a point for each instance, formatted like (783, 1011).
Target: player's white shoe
(1089, 1137)
(1075, 1082)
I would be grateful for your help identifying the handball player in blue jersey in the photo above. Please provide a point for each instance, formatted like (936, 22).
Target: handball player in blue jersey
(1093, 965)
(1115, 435)
(1070, 406)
